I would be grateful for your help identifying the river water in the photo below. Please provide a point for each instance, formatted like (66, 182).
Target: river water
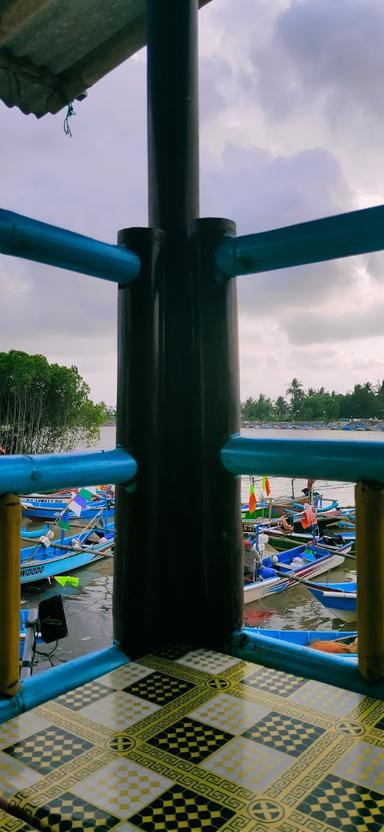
(88, 607)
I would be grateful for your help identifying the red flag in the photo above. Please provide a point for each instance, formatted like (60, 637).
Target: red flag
(252, 502)
(266, 486)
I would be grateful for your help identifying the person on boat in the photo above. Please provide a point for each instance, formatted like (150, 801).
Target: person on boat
(284, 523)
(249, 562)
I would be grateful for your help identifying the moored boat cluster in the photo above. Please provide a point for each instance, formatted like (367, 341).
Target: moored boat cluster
(290, 541)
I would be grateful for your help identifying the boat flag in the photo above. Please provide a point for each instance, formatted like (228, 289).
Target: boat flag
(266, 486)
(88, 492)
(252, 502)
(64, 523)
(79, 502)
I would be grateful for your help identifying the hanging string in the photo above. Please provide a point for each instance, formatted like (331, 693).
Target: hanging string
(66, 127)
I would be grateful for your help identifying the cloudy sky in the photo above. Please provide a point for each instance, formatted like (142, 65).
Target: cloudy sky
(292, 128)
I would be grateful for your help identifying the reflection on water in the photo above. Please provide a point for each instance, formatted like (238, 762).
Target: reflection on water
(88, 607)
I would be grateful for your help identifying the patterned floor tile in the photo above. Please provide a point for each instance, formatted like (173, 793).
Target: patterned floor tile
(182, 809)
(126, 827)
(20, 727)
(284, 733)
(344, 805)
(190, 740)
(229, 713)
(380, 723)
(173, 651)
(49, 749)
(122, 787)
(281, 684)
(363, 764)
(208, 660)
(119, 710)
(327, 698)
(68, 813)
(248, 764)
(159, 688)
(15, 776)
(125, 675)
(80, 697)
(11, 824)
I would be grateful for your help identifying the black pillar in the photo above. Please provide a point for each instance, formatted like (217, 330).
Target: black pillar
(173, 125)
(177, 575)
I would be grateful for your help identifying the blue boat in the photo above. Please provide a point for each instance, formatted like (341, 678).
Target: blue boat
(278, 571)
(304, 638)
(340, 599)
(50, 508)
(39, 562)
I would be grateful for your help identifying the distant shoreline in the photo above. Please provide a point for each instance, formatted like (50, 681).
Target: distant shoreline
(340, 424)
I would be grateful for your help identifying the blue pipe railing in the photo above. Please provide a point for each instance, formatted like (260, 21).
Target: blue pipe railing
(34, 240)
(346, 459)
(357, 232)
(26, 474)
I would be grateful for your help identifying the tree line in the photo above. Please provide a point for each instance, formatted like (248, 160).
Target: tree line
(366, 401)
(44, 407)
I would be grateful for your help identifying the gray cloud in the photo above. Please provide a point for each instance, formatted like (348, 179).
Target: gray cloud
(264, 191)
(327, 328)
(324, 55)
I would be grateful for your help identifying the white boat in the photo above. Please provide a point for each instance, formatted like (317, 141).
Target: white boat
(300, 562)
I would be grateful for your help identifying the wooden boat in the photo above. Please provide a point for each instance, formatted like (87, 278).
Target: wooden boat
(300, 562)
(339, 598)
(42, 507)
(38, 562)
(285, 505)
(305, 638)
(282, 540)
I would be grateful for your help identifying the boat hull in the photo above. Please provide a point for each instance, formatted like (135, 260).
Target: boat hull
(343, 604)
(31, 573)
(301, 638)
(38, 563)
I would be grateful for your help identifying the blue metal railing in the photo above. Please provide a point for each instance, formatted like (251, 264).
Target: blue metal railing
(357, 232)
(24, 474)
(348, 460)
(34, 240)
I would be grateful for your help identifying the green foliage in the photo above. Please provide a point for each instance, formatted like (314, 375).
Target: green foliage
(364, 402)
(44, 407)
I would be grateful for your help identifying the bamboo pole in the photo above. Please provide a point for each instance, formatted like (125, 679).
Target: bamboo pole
(9, 593)
(370, 578)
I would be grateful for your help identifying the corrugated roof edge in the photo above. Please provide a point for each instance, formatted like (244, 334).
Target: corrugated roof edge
(73, 84)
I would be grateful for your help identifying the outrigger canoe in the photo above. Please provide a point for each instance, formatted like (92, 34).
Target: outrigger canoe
(38, 562)
(33, 534)
(281, 540)
(300, 562)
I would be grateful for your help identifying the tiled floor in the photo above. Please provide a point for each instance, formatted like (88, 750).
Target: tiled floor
(196, 741)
